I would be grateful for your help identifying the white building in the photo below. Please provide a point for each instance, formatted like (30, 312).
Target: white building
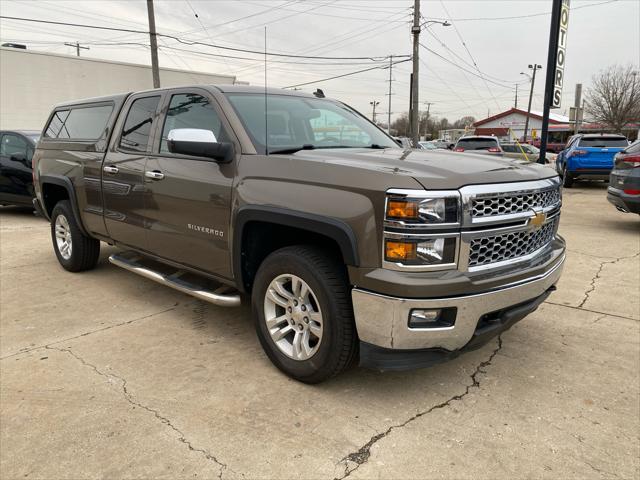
(32, 82)
(509, 125)
(453, 134)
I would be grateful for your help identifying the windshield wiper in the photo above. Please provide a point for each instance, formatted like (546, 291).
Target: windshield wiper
(306, 146)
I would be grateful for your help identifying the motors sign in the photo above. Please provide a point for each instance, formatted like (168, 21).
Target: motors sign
(561, 55)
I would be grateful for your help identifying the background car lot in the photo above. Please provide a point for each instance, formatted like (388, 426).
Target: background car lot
(106, 374)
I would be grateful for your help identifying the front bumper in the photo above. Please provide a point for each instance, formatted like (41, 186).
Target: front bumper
(382, 321)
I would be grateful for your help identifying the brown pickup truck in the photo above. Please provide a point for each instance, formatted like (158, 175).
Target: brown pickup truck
(351, 248)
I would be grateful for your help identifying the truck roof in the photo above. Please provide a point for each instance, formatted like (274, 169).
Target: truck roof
(220, 88)
(107, 98)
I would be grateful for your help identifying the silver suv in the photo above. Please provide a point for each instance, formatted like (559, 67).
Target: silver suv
(479, 144)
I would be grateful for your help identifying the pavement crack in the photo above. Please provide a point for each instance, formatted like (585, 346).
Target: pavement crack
(90, 332)
(128, 396)
(591, 311)
(596, 277)
(354, 460)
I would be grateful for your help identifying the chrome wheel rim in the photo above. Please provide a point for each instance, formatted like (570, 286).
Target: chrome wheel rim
(63, 237)
(293, 317)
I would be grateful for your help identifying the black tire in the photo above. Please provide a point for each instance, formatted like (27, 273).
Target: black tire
(84, 250)
(327, 278)
(567, 178)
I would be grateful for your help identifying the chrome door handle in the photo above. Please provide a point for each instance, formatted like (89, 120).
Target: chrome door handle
(154, 175)
(109, 169)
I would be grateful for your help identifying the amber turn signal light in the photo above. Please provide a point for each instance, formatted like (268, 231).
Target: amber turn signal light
(402, 209)
(400, 251)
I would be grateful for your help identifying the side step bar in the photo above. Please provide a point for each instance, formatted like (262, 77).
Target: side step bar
(134, 263)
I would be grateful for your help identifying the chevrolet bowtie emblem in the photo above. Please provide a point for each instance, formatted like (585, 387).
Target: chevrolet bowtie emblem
(537, 221)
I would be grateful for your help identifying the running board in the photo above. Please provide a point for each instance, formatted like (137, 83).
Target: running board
(193, 286)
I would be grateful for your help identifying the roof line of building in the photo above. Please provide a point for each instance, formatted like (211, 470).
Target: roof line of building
(509, 112)
(113, 62)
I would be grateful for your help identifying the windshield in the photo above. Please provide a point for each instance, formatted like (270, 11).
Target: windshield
(477, 143)
(603, 142)
(299, 122)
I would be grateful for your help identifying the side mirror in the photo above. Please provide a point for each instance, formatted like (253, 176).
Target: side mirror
(19, 157)
(199, 143)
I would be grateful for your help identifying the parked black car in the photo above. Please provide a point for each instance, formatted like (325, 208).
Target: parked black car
(624, 181)
(16, 179)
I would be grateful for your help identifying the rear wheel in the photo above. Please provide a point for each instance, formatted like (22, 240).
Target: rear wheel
(303, 314)
(75, 251)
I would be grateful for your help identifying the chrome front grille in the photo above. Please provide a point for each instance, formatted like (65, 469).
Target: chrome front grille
(508, 246)
(514, 202)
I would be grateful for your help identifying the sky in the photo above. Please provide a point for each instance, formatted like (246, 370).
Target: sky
(472, 67)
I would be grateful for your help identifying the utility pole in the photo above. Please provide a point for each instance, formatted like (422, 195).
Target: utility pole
(516, 103)
(374, 104)
(389, 110)
(415, 30)
(78, 47)
(577, 103)
(154, 45)
(535, 67)
(426, 123)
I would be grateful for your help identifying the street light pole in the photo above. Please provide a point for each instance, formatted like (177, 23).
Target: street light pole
(415, 30)
(374, 104)
(534, 67)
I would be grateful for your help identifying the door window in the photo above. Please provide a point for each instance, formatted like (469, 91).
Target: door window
(137, 126)
(190, 110)
(13, 144)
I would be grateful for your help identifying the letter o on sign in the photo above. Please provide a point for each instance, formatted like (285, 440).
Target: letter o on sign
(560, 60)
(564, 17)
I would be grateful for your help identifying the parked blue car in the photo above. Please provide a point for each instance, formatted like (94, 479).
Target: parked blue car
(589, 157)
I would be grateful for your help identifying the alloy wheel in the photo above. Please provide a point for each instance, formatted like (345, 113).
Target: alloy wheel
(293, 317)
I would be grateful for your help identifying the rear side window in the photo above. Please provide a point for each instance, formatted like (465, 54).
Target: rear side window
(604, 142)
(137, 126)
(477, 143)
(82, 123)
(509, 148)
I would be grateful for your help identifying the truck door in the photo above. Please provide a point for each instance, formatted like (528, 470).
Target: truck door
(123, 186)
(16, 185)
(188, 211)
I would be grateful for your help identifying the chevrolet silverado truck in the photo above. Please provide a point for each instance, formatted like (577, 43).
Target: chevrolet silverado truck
(351, 248)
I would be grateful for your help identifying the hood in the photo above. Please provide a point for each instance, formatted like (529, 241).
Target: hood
(433, 169)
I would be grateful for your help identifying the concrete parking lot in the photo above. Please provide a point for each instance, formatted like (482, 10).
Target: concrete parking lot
(108, 375)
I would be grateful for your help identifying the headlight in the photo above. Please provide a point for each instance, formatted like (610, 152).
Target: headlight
(408, 243)
(416, 208)
(436, 251)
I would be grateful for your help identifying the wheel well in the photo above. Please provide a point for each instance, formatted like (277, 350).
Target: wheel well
(52, 194)
(259, 239)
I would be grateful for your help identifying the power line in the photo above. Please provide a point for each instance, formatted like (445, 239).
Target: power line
(462, 68)
(189, 42)
(473, 60)
(515, 17)
(347, 74)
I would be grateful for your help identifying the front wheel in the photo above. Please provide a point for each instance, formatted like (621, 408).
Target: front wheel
(567, 178)
(75, 251)
(303, 314)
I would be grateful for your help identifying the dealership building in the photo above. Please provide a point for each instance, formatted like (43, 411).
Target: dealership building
(32, 82)
(509, 125)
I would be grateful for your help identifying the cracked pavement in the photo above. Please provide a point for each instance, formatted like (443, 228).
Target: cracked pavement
(108, 375)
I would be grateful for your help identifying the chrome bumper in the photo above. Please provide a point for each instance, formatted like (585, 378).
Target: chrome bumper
(383, 321)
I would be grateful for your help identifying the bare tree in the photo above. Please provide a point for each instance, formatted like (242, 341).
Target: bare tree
(614, 97)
